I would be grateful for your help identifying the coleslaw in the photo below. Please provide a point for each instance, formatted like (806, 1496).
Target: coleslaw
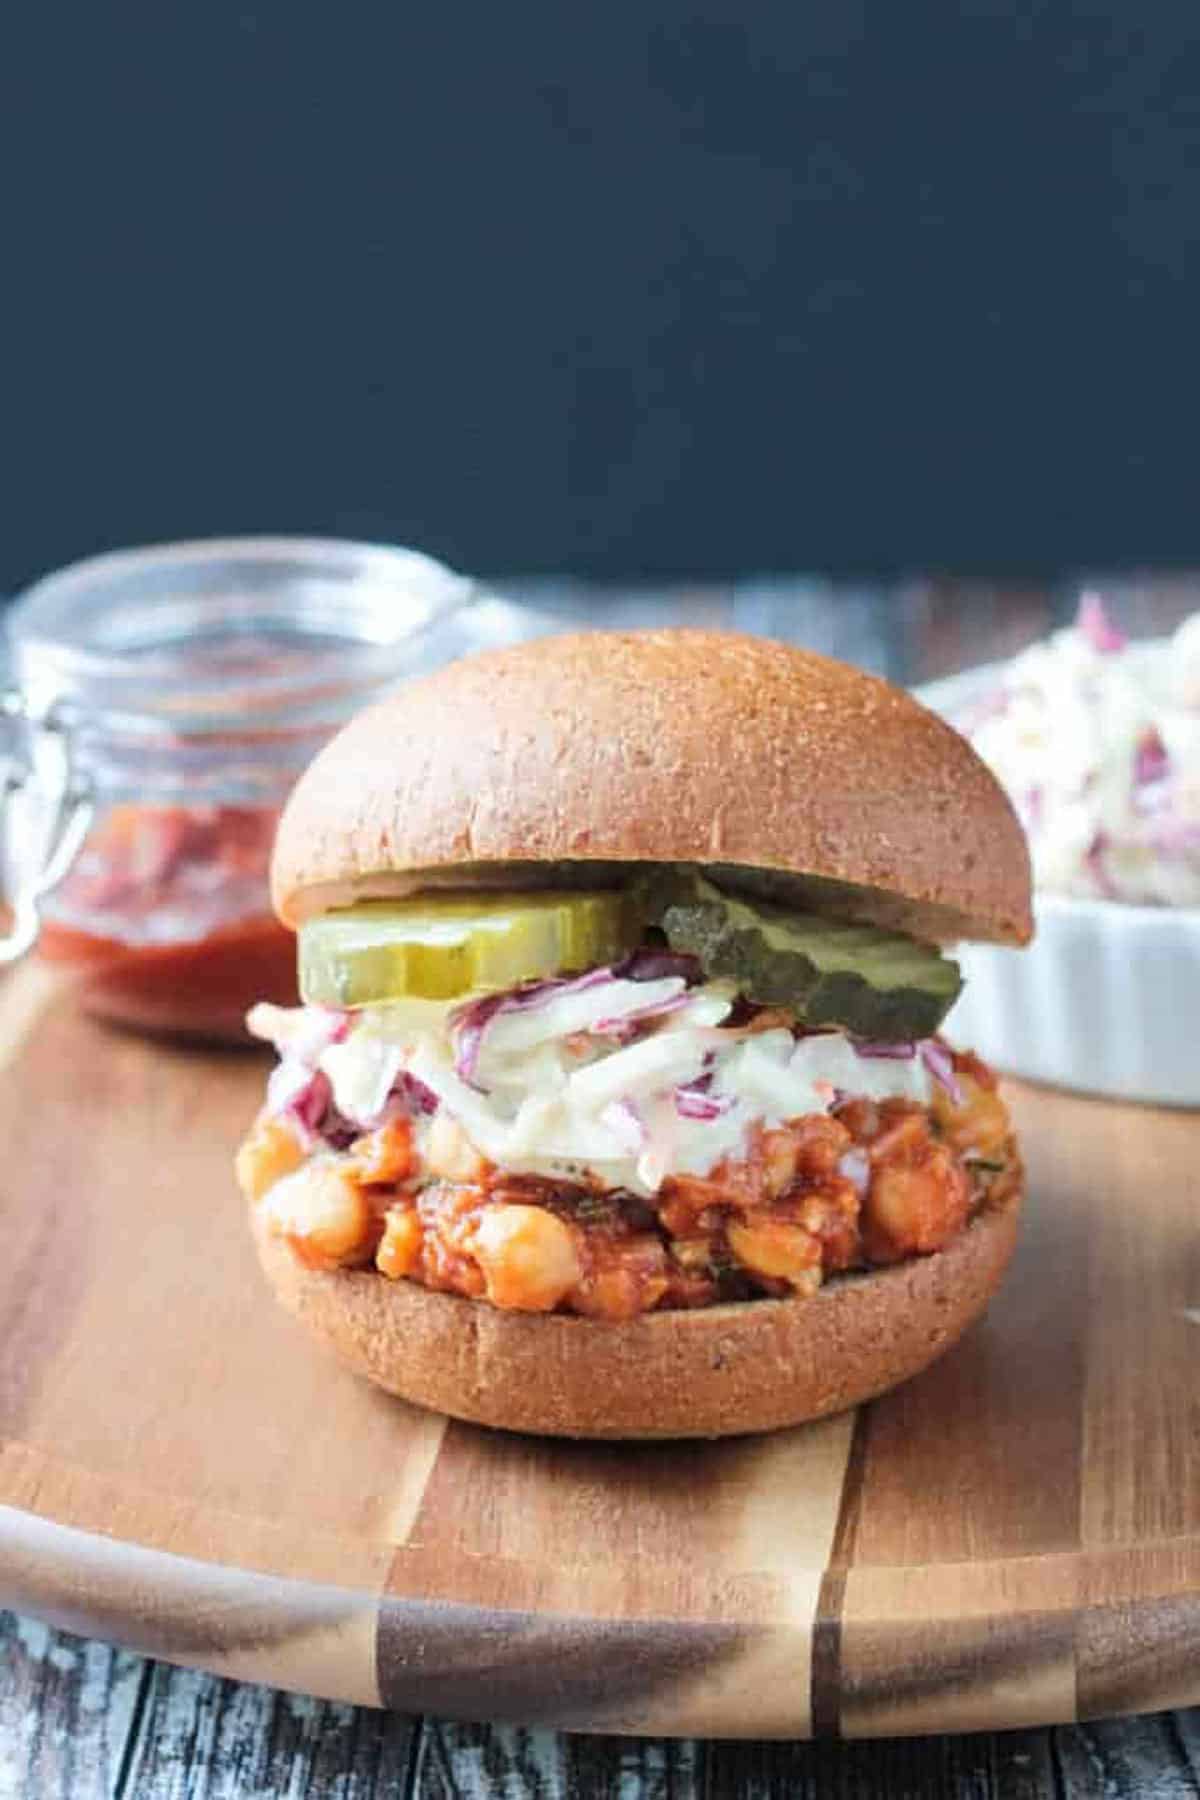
(605, 1077)
(1097, 741)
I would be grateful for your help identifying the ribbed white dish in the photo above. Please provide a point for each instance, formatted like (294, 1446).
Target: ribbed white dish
(1105, 1000)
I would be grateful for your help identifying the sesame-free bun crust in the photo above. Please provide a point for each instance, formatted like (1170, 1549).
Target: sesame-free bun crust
(714, 1372)
(666, 746)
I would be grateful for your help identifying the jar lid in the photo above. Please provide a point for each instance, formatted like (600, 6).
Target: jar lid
(192, 638)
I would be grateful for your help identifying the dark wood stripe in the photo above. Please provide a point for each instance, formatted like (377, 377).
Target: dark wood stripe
(1133, 1658)
(932, 1664)
(827, 1656)
(1134, 1655)
(463, 1662)
(826, 1677)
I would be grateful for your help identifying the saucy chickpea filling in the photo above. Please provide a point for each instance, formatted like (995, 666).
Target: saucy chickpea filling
(868, 1180)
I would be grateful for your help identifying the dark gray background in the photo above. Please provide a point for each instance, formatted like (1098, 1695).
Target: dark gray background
(615, 289)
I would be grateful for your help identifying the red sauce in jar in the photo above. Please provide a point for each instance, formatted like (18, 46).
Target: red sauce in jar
(166, 921)
(199, 990)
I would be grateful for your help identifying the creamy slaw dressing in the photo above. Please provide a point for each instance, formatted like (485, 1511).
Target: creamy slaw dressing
(551, 1095)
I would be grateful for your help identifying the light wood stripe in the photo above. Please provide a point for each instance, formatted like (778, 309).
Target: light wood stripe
(1140, 1460)
(767, 1504)
(123, 1510)
(967, 1644)
(736, 1534)
(424, 1436)
(955, 1470)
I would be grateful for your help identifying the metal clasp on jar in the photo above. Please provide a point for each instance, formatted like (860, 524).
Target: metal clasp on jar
(47, 805)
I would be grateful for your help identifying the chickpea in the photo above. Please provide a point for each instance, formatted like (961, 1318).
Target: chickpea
(270, 1152)
(861, 1118)
(780, 1160)
(323, 1214)
(685, 1203)
(384, 1155)
(450, 1153)
(692, 1253)
(780, 1251)
(399, 1251)
(528, 1257)
(832, 1218)
(914, 1206)
(627, 1277)
(980, 1124)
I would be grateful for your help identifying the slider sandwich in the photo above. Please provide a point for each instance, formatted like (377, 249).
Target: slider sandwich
(618, 1104)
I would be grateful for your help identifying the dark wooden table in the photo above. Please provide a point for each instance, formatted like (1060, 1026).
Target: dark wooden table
(80, 1720)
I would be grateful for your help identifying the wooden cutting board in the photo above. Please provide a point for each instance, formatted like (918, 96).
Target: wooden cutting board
(1013, 1538)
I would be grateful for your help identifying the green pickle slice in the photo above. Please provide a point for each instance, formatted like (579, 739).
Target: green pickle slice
(873, 983)
(440, 946)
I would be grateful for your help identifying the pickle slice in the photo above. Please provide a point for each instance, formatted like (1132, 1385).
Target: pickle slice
(440, 946)
(875, 984)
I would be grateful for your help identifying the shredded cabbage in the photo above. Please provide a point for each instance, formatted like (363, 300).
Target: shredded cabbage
(543, 1091)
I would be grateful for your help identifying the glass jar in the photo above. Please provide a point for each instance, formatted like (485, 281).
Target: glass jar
(162, 703)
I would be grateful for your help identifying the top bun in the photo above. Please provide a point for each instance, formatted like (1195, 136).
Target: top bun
(788, 773)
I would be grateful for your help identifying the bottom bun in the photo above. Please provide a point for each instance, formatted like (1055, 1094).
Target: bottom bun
(717, 1371)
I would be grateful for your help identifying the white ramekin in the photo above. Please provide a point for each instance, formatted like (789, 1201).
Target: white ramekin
(1105, 1000)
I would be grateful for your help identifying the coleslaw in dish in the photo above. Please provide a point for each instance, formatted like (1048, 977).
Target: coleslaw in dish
(1097, 740)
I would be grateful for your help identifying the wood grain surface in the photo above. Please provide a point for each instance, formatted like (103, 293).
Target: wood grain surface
(1014, 1538)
